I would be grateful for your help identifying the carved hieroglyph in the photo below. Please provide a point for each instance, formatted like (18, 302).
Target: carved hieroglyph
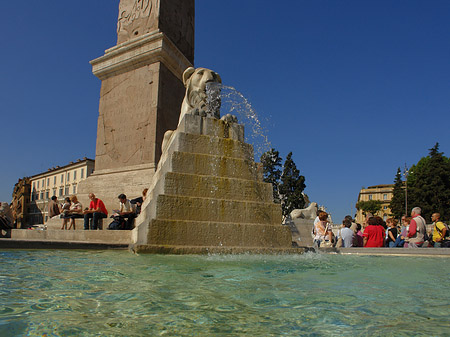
(136, 17)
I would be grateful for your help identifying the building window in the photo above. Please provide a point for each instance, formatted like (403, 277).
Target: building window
(42, 196)
(66, 191)
(62, 178)
(384, 207)
(384, 196)
(43, 183)
(47, 194)
(38, 184)
(370, 196)
(48, 182)
(68, 176)
(54, 180)
(82, 173)
(74, 189)
(74, 175)
(54, 191)
(60, 191)
(34, 185)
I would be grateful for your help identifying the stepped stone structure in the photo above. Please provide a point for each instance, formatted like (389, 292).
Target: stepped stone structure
(141, 94)
(207, 195)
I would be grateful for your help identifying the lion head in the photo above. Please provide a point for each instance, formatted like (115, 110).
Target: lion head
(195, 100)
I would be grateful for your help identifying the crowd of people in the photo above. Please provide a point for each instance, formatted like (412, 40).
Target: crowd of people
(71, 209)
(375, 232)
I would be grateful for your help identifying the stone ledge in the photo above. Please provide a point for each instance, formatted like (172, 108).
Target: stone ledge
(206, 250)
(55, 244)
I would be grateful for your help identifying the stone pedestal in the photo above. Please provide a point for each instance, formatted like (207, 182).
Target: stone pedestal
(140, 96)
(301, 232)
(207, 192)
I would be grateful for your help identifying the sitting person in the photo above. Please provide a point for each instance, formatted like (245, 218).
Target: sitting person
(139, 201)
(126, 211)
(392, 232)
(323, 236)
(53, 208)
(416, 231)
(346, 234)
(400, 241)
(374, 232)
(359, 242)
(75, 211)
(65, 211)
(96, 211)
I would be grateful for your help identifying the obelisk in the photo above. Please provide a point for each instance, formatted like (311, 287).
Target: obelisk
(141, 94)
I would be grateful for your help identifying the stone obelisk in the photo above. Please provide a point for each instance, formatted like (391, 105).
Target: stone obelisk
(141, 94)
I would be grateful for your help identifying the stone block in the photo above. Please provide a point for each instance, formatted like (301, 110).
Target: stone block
(196, 233)
(118, 237)
(206, 209)
(216, 187)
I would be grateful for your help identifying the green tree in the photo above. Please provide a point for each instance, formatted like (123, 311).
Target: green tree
(371, 206)
(271, 162)
(429, 184)
(397, 204)
(291, 187)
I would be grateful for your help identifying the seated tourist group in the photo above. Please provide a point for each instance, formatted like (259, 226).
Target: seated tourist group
(123, 217)
(375, 232)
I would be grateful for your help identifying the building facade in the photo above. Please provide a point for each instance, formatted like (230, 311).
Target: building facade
(59, 181)
(381, 193)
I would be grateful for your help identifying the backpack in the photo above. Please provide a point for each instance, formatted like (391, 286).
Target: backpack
(117, 224)
(447, 231)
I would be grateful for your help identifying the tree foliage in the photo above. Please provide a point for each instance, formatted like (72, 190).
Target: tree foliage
(429, 184)
(291, 187)
(271, 162)
(397, 204)
(371, 206)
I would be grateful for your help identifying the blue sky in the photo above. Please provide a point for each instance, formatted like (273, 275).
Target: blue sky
(353, 88)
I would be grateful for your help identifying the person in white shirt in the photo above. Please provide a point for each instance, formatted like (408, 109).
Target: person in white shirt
(126, 211)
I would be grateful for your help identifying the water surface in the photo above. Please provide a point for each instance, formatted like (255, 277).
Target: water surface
(116, 293)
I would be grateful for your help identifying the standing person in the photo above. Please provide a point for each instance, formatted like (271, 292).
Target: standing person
(96, 211)
(126, 210)
(439, 230)
(374, 232)
(323, 235)
(416, 231)
(53, 208)
(392, 232)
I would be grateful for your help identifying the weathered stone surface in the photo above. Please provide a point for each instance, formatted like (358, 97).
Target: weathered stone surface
(192, 185)
(118, 237)
(202, 200)
(196, 233)
(141, 95)
(175, 18)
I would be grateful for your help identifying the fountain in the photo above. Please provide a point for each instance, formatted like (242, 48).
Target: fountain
(207, 193)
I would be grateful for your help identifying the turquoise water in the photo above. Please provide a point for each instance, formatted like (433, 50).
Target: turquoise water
(116, 293)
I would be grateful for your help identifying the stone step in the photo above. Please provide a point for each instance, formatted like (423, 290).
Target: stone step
(176, 207)
(202, 233)
(116, 237)
(192, 185)
(202, 144)
(219, 166)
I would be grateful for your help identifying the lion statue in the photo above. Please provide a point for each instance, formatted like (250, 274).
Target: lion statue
(195, 100)
(309, 212)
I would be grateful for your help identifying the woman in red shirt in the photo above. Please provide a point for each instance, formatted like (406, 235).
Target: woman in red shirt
(374, 233)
